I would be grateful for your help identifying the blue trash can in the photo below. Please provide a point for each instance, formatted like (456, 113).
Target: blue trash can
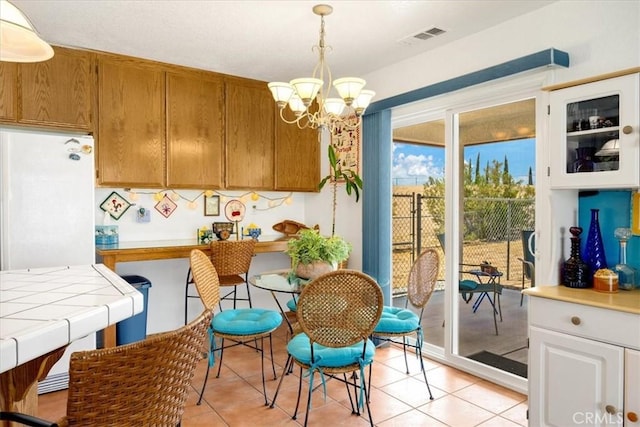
(135, 328)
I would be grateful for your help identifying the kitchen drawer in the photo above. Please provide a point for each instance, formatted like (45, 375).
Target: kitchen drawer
(611, 326)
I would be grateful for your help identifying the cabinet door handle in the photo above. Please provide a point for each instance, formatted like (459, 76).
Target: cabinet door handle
(575, 320)
(632, 416)
(627, 129)
(610, 409)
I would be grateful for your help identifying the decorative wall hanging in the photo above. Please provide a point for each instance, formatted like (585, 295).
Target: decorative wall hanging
(346, 143)
(115, 205)
(234, 210)
(166, 206)
(211, 205)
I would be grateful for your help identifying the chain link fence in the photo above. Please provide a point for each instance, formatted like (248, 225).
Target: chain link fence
(492, 233)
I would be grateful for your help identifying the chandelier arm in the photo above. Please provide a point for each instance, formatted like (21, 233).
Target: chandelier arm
(297, 121)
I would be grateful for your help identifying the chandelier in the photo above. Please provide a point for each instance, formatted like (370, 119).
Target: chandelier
(326, 112)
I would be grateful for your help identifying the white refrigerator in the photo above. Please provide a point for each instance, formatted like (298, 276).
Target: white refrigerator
(47, 211)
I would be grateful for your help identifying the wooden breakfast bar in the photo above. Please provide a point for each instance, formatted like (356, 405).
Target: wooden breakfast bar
(111, 255)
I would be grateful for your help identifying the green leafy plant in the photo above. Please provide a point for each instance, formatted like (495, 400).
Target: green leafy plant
(351, 180)
(309, 246)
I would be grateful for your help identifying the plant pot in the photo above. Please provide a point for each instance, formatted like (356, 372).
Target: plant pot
(315, 269)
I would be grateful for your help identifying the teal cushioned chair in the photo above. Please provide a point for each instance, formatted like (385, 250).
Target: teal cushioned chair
(242, 326)
(397, 322)
(336, 313)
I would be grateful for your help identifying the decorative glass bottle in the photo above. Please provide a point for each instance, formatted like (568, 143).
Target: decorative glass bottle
(584, 161)
(594, 249)
(576, 273)
(627, 275)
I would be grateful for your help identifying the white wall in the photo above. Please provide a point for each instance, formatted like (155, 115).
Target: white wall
(600, 37)
(166, 296)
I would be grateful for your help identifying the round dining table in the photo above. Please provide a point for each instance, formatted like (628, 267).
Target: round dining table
(279, 282)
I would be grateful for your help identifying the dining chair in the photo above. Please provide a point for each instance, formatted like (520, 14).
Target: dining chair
(397, 322)
(142, 383)
(337, 313)
(232, 260)
(240, 326)
(485, 282)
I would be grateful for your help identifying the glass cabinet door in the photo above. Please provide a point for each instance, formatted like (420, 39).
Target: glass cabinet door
(594, 134)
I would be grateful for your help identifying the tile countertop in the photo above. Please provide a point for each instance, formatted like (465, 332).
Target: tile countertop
(47, 308)
(627, 301)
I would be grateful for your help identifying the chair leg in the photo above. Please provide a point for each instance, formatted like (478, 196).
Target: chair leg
(404, 350)
(295, 412)
(186, 294)
(424, 373)
(495, 321)
(221, 353)
(354, 408)
(206, 376)
(246, 281)
(264, 385)
(366, 399)
(273, 366)
(287, 365)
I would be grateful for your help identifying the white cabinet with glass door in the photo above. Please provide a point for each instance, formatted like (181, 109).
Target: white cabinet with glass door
(594, 132)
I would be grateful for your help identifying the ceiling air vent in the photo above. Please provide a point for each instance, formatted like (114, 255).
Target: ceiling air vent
(422, 35)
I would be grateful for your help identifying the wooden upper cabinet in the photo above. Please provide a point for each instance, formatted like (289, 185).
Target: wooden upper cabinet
(195, 130)
(297, 157)
(249, 131)
(58, 92)
(131, 128)
(8, 91)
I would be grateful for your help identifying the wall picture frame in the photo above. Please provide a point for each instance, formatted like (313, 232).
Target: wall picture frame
(212, 206)
(346, 143)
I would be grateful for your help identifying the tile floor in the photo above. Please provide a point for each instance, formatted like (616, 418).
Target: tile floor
(397, 399)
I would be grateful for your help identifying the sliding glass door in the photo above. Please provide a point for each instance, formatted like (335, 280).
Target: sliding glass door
(469, 175)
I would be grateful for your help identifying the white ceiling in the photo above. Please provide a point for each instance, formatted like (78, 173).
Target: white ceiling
(264, 40)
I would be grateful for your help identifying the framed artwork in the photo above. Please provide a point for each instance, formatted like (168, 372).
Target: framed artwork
(166, 206)
(212, 206)
(115, 204)
(346, 144)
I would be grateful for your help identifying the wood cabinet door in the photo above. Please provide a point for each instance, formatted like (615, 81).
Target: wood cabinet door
(195, 108)
(131, 127)
(297, 157)
(249, 132)
(8, 91)
(58, 92)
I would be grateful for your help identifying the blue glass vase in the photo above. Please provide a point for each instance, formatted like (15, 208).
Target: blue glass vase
(594, 250)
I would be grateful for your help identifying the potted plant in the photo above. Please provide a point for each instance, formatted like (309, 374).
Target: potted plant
(351, 180)
(312, 254)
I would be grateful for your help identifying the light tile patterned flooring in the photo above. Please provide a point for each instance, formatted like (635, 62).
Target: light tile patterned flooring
(397, 399)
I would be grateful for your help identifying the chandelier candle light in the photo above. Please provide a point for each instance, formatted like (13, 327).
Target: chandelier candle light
(299, 94)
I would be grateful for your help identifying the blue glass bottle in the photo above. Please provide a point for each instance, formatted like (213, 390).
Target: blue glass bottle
(594, 250)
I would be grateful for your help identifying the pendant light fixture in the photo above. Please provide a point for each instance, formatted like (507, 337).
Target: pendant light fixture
(19, 41)
(309, 97)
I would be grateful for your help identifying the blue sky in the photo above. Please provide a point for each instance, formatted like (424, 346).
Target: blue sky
(412, 164)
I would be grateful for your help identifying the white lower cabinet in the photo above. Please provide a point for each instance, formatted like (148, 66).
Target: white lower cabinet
(577, 376)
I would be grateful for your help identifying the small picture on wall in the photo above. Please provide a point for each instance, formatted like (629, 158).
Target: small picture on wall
(115, 204)
(212, 206)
